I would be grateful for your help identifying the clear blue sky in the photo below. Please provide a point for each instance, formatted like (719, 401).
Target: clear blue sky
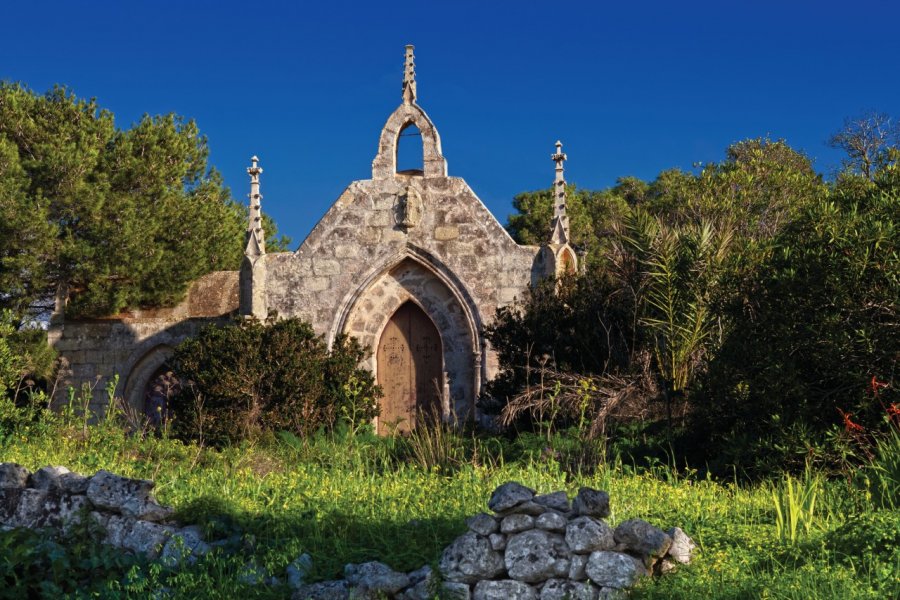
(631, 88)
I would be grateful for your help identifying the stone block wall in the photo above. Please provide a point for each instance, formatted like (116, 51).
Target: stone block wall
(133, 345)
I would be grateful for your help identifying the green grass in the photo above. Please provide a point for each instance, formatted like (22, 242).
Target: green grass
(354, 501)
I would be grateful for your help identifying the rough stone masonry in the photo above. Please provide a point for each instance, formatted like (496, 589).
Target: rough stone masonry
(416, 236)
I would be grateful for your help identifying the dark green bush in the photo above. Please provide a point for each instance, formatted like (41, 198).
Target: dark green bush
(580, 324)
(814, 334)
(250, 377)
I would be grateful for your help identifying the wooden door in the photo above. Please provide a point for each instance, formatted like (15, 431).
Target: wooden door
(410, 370)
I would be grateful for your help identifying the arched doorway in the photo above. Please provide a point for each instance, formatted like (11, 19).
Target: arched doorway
(410, 280)
(410, 361)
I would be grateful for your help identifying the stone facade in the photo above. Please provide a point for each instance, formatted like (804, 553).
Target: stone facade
(416, 236)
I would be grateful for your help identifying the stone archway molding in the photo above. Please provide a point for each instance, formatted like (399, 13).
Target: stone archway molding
(430, 263)
(464, 347)
(139, 375)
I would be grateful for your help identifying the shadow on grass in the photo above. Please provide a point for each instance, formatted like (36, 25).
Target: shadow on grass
(333, 539)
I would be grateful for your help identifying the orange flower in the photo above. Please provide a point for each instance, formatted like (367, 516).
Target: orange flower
(876, 385)
(849, 425)
(893, 412)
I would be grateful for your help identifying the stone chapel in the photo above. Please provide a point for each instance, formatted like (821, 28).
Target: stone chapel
(410, 263)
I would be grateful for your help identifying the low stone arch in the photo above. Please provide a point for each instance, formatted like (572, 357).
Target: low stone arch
(409, 280)
(433, 162)
(140, 375)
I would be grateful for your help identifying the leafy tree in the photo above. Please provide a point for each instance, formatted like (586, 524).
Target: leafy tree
(591, 214)
(114, 218)
(249, 377)
(759, 187)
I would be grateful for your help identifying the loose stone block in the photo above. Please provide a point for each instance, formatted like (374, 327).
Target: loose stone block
(509, 495)
(591, 503)
(375, 578)
(614, 569)
(551, 521)
(13, 475)
(506, 589)
(498, 541)
(516, 523)
(587, 534)
(682, 548)
(482, 524)
(643, 538)
(563, 589)
(470, 558)
(557, 501)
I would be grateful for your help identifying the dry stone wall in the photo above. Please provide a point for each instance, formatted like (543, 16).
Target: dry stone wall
(122, 512)
(530, 547)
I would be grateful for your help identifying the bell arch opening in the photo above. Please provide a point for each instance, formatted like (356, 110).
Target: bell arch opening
(410, 151)
(385, 164)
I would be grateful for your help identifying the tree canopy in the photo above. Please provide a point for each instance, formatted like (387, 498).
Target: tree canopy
(115, 218)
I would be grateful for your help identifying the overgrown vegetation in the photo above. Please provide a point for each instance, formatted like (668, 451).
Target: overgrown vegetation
(111, 218)
(726, 362)
(743, 317)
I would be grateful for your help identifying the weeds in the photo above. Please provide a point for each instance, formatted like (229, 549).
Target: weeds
(795, 506)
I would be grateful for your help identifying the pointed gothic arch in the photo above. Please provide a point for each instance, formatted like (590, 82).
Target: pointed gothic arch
(407, 278)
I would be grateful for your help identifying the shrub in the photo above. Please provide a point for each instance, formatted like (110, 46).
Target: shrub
(814, 335)
(249, 377)
(579, 324)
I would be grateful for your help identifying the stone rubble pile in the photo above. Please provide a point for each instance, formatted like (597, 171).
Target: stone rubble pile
(532, 547)
(123, 511)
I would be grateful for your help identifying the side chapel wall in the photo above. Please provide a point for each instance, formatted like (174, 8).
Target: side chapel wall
(134, 344)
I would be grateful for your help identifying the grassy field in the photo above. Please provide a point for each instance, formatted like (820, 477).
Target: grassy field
(360, 499)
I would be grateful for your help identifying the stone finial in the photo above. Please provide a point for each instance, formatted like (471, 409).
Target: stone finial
(409, 76)
(559, 233)
(256, 239)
